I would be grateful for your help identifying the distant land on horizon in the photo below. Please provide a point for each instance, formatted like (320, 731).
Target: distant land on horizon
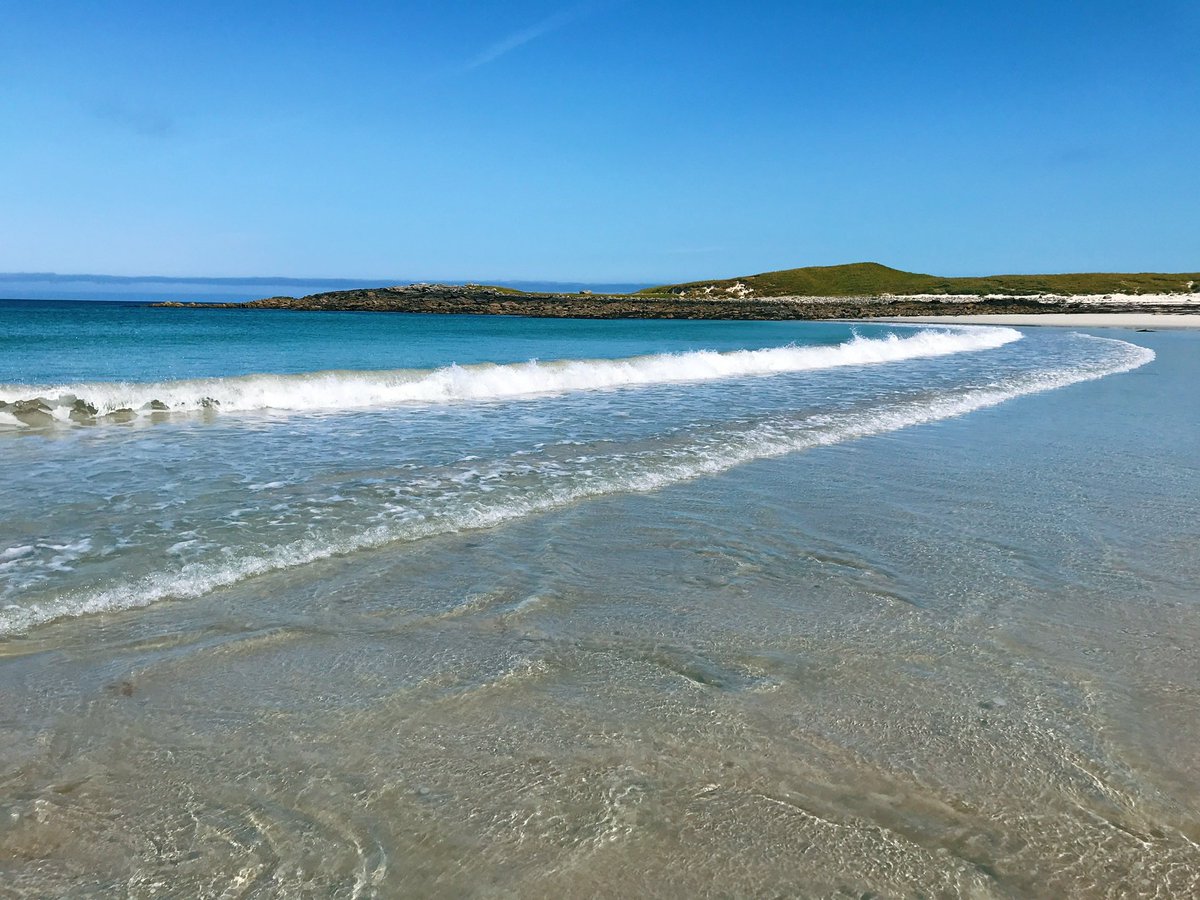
(855, 291)
(867, 279)
(870, 279)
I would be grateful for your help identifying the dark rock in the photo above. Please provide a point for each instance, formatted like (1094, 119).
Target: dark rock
(28, 406)
(32, 412)
(158, 404)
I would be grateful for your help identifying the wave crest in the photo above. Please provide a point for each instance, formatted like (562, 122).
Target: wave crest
(624, 472)
(334, 390)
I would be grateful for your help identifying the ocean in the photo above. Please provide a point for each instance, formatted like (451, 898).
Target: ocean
(353, 604)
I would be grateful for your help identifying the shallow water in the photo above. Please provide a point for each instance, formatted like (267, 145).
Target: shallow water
(920, 627)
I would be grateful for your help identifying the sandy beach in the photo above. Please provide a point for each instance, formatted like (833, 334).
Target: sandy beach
(376, 606)
(1079, 320)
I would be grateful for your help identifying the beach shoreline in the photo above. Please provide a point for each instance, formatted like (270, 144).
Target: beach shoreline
(390, 608)
(897, 607)
(1151, 320)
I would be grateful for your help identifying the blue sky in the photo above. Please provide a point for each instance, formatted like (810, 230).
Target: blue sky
(600, 140)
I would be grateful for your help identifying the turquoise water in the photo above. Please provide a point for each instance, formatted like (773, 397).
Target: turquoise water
(42, 342)
(361, 604)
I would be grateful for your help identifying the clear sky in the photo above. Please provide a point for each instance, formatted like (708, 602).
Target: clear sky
(598, 140)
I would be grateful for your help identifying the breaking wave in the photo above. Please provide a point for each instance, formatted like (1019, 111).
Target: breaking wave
(335, 390)
(450, 508)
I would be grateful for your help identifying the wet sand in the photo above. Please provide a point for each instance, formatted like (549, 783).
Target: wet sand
(945, 661)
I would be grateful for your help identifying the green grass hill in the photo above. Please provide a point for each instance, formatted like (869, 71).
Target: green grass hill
(872, 279)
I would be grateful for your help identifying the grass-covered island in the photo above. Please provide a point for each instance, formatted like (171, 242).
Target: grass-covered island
(858, 290)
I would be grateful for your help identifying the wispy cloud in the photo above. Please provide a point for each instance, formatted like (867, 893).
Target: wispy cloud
(520, 38)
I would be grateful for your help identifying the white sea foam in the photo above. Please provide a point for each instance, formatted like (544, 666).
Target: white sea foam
(317, 391)
(625, 474)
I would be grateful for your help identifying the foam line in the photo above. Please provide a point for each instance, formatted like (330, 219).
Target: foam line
(334, 390)
(628, 474)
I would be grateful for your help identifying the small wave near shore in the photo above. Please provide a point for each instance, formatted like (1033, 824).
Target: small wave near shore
(31, 405)
(461, 502)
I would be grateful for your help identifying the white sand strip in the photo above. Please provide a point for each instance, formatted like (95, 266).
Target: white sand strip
(1061, 320)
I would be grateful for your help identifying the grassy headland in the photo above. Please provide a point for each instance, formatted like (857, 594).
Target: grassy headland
(861, 290)
(874, 280)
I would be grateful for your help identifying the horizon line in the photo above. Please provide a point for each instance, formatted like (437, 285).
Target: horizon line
(230, 280)
(286, 279)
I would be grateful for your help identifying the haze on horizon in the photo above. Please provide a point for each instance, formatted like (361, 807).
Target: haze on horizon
(600, 141)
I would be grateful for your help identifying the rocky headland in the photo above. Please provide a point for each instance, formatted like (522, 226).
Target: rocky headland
(490, 301)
